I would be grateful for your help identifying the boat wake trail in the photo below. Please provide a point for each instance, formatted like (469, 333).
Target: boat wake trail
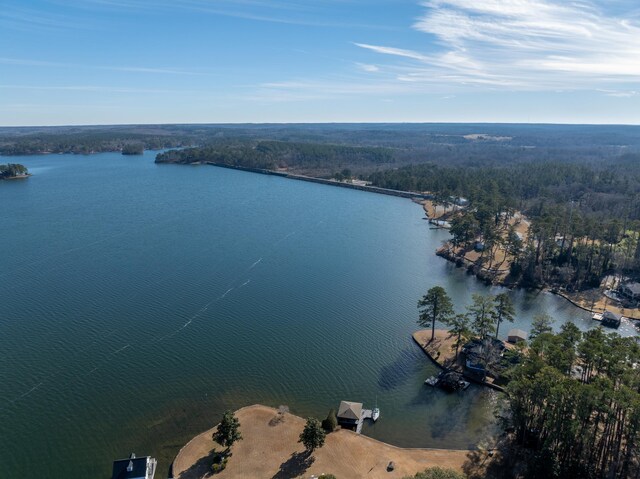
(190, 320)
(198, 313)
(255, 264)
(50, 377)
(245, 283)
(288, 235)
(24, 395)
(121, 349)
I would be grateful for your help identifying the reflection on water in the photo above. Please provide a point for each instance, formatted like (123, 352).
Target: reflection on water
(405, 367)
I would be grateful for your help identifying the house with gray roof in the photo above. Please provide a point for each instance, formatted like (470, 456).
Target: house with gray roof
(134, 468)
(611, 320)
(349, 413)
(631, 291)
(516, 335)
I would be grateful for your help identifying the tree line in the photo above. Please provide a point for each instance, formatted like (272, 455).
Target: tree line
(482, 318)
(86, 143)
(278, 154)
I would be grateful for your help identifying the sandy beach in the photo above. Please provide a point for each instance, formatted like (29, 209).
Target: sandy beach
(270, 449)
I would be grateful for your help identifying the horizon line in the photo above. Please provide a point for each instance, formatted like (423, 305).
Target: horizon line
(249, 123)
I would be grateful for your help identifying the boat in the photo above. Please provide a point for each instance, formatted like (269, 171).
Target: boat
(432, 381)
(452, 381)
(376, 412)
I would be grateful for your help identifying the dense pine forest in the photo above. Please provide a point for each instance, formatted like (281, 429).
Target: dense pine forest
(574, 405)
(572, 402)
(279, 154)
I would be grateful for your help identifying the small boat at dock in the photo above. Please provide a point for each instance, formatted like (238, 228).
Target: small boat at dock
(375, 414)
(432, 381)
(449, 381)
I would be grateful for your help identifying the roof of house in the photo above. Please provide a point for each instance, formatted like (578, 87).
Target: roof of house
(611, 316)
(633, 287)
(350, 410)
(518, 333)
(133, 467)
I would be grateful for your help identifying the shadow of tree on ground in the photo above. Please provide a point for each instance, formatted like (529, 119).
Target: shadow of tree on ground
(295, 466)
(202, 468)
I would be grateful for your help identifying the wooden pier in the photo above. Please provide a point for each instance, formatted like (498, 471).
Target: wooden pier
(366, 414)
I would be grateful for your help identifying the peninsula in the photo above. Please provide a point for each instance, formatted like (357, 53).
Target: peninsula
(270, 448)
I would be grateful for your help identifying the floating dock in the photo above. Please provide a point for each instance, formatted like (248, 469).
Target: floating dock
(366, 414)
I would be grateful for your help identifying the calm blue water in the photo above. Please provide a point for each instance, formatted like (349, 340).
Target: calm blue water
(139, 301)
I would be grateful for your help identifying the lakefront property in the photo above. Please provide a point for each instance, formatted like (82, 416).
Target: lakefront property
(134, 468)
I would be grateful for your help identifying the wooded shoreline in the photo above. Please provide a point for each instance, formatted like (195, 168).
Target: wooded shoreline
(418, 197)
(312, 179)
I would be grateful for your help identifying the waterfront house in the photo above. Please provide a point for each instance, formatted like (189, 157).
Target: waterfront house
(478, 354)
(349, 414)
(611, 320)
(516, 336)
(630, 291)
(459, 201)
(134, 468)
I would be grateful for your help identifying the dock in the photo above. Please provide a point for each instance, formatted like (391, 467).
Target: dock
(366, 414)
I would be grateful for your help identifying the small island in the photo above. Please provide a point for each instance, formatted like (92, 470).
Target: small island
(13, 171)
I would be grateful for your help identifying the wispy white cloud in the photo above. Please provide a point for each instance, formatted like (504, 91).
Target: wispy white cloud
(30, 19)
(366, 67)
(620, 94)
(394, 51)
(293, 12)
(522, 44)
(321, 89)
(87, 88)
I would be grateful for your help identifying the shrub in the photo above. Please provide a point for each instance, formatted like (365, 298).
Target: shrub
(331, 422)
(219, 463)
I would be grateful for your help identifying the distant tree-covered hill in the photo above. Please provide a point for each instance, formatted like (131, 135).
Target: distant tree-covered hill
(273, 155)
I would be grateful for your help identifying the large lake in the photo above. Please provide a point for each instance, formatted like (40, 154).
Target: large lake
(138, 301)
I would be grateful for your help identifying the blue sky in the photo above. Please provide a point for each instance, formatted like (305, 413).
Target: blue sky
(217, 61)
